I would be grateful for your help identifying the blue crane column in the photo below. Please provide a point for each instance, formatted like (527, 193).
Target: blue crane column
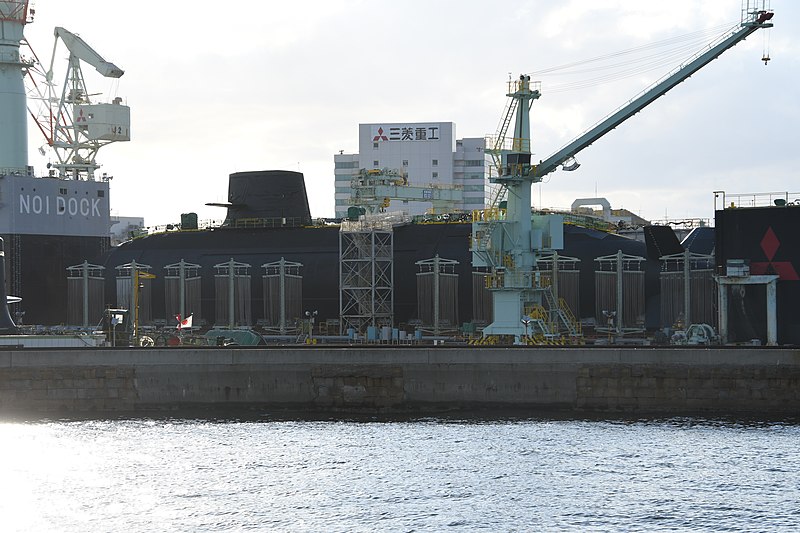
(13, 110)
(517, 258)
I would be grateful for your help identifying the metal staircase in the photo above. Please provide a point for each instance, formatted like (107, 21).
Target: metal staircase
(562, 313)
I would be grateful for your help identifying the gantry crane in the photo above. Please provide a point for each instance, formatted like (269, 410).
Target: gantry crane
(504, 239)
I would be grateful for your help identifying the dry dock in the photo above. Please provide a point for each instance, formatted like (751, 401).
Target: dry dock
(758, 382)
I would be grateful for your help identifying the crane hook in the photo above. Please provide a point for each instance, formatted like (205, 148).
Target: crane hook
(765, 59)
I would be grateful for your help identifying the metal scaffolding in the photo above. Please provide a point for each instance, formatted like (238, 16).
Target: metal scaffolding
(366, 276)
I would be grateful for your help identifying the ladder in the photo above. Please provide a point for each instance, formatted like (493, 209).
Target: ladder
(499, 191)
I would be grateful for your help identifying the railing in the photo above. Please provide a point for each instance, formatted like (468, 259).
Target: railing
(573, 324)
(491, 214)
(16, 171)
(722, 200)
(683, 222)
(380, 221)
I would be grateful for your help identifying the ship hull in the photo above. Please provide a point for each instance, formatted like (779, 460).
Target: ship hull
(317, 249)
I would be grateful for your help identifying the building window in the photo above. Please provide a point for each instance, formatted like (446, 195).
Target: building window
(376, 164)
(405, 162)
(375, 146)
(474, 163)
(62, 191)
(101, 194)
(435, 162)
(435, 175)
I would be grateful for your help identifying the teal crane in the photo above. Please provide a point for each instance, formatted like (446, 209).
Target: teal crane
(505, 240)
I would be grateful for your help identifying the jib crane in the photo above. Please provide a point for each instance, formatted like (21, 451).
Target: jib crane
(504, 239)
(73, 125)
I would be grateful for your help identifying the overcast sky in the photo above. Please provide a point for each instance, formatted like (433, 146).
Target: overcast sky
(222, 87)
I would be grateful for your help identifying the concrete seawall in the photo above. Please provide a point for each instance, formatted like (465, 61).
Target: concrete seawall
(753, 382)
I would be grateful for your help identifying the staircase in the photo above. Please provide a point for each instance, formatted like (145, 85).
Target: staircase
(562, 313)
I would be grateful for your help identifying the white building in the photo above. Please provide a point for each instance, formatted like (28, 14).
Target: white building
(427, 153)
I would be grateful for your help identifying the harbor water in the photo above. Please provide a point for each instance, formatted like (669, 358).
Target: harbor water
(431, 474)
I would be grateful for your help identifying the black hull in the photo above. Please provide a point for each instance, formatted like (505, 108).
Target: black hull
(36, 272)
(767, 238)
(318, 250)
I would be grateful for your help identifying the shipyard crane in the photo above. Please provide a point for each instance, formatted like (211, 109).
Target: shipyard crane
(79, 50)
(74, 126)
(505, 240)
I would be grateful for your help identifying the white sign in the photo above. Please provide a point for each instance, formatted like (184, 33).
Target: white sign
(42, 205)
(405, 133)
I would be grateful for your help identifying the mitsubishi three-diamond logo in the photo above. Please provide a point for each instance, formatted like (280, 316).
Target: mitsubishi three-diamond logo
(380, 136)
(770, 244)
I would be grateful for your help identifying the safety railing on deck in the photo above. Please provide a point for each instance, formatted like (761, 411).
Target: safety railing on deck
(723, 200)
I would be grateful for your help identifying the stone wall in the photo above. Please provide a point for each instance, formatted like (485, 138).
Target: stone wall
(754, 381)
(685, 388)
(67, 389)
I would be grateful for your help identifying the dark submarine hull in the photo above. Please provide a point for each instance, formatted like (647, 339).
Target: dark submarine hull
(36, 268)
(317, 249)
(277, 202)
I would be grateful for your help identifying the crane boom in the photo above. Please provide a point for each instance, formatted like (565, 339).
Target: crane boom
(80, 127)
(756, 21)
(81, 50)
(506, 240)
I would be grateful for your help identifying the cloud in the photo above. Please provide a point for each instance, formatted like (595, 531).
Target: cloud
(256, 85)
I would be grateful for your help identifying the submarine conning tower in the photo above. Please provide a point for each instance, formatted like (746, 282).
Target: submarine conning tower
(13, 110)
(267, 197)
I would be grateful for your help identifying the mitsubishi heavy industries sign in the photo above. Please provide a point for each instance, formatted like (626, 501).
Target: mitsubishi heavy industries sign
(408, 132)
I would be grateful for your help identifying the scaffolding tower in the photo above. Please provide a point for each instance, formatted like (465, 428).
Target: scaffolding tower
(366, 274)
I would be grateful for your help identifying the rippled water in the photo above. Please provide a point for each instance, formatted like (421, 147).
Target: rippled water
(423, 475)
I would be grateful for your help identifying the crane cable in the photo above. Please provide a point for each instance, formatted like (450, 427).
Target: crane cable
(765, 53)
(612, 67)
